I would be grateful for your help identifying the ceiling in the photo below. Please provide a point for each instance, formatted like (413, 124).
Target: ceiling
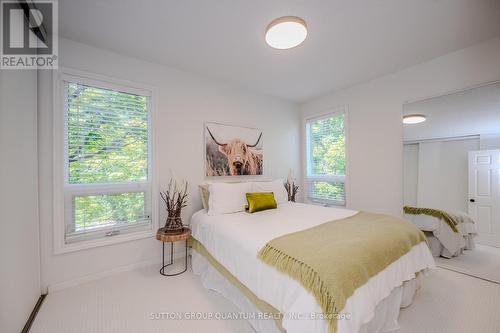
(349, 41)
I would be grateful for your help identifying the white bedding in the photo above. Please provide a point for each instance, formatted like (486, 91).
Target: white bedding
(385, 318)
(235, 239)
(454, 243)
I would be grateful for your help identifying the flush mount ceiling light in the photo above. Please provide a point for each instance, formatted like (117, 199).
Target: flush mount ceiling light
(411, 119)
(286, 32)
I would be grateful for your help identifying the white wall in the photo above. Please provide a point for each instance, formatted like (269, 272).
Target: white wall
(410, 173)
(375, 112)
(19, 245)
(184, 103)
(443, 174)
(489, 141)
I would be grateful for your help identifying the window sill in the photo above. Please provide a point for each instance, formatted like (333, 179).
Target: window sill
(89, 244)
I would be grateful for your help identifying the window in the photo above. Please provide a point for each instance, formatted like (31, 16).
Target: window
(326, 156)
(106, 164)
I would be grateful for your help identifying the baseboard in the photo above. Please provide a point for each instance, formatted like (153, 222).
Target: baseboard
(96, 276)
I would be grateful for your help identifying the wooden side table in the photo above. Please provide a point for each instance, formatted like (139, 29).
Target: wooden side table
(166, 238)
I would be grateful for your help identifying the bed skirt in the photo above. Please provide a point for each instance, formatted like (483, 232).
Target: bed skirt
(438, 250)
(386, 312)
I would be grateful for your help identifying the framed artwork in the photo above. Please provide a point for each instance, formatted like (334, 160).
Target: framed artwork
(232, 150)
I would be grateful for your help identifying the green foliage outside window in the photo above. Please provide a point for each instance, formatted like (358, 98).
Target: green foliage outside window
(327, 149)
(103, 210)
(107, 142)
(107, 135)
(330, 191)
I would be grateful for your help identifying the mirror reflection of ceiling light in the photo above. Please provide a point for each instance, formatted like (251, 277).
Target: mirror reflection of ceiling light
(411, 119)
(286, 32)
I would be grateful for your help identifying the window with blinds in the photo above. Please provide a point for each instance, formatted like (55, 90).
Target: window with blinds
(326, 155)
(107, 185)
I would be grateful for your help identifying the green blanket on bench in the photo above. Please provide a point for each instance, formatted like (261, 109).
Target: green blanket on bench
(451, 219)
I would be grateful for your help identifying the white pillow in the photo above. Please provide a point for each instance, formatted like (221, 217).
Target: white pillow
(275, 186)
(227, 198)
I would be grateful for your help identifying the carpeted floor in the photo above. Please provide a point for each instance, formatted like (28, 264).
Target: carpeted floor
(482, 262)
(133, 302)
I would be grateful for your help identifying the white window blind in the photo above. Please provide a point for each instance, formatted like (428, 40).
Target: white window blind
(107, 186)
(326, 159)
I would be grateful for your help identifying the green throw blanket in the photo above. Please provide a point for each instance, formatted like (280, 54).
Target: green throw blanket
(333, 259)
(451, 219)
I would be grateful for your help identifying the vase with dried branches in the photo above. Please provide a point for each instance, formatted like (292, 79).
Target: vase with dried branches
(290, 187)
(175, 198)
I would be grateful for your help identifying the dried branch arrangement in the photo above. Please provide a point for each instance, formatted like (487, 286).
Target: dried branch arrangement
(290, 186)
(175, 198)
(291, 189)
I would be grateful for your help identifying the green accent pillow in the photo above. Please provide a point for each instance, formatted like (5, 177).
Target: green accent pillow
(258, 201)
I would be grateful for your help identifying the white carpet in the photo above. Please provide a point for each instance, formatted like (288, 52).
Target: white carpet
(482, 262)
(447, 302)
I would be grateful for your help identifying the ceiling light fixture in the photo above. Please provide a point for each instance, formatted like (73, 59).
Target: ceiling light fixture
(411, 119)
(286, 32)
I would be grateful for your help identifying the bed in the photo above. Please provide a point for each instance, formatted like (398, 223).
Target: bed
(224, 255)
(443, 240)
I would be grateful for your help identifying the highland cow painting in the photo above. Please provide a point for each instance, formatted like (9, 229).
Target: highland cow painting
(232, 150)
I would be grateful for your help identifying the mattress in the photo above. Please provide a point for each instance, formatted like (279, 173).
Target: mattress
(235, 239)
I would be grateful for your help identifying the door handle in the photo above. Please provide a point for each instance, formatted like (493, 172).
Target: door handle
(472, 200)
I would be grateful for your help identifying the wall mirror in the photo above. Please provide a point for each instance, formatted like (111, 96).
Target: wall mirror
(452, 177)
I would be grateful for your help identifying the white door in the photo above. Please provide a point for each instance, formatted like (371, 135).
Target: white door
(484, 194)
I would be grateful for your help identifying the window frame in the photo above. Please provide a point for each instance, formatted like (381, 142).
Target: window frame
(309, 178)
(63, 192)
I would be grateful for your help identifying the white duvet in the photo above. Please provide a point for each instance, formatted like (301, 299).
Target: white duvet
(235, 239)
